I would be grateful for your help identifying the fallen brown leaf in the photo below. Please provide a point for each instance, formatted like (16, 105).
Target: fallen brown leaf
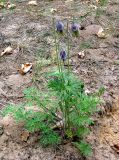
(8, 50)
(53, 10)
(33, 3)
(11, 6)
(25, 136)
(81, 54)
(101, 33)
(25, 68)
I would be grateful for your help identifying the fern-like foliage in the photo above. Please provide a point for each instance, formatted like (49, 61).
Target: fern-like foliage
(65, 94)
(84, 148)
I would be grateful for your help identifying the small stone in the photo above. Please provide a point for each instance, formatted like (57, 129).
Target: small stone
(7, 51)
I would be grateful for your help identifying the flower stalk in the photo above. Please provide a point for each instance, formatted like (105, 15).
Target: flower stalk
(56, 46)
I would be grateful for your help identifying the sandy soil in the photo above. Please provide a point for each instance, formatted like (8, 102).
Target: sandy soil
(28, 29)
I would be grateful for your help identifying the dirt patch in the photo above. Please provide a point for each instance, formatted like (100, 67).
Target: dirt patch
(106, 135)
(29, 29)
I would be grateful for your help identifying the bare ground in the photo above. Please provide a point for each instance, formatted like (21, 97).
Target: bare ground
(28, 30)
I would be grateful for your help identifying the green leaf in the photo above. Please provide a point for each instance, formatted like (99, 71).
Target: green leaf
(49, 138)
(82, 131)
(84, 148)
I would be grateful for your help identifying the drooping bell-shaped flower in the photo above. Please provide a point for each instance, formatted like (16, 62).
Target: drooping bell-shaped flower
(63, 55)
(60, 27)
(75, 29)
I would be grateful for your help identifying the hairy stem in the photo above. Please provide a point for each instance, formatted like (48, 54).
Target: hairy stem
(56, 47)
(68, 45)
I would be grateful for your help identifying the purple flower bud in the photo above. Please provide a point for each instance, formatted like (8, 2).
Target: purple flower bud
(59, 26)
(63, 55)
(75, 27)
